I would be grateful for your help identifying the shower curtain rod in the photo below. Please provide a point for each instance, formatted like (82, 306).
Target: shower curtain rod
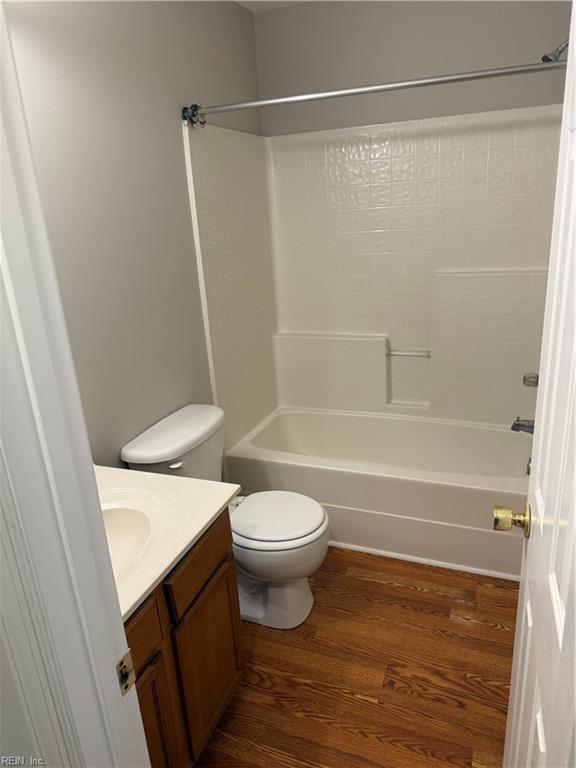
(195, 114)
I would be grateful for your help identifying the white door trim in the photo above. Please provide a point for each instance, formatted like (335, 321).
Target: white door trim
(61, 626)
(541, 730)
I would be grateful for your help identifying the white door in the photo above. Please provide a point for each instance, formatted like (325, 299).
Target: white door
(61, 631)
(541, 719)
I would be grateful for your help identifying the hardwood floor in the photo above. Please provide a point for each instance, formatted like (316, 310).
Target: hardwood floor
(399, 665)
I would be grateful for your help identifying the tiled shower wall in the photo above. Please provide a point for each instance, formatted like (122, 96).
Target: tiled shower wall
(427, 236)
(367, 220)
(232, 207)
(486, 331)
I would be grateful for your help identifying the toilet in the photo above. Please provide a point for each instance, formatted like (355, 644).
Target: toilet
(280, 538)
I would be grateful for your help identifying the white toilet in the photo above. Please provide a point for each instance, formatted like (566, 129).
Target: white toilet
(280, 538)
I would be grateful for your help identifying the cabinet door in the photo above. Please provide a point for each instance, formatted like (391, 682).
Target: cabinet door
(156, 711)
(209, 650)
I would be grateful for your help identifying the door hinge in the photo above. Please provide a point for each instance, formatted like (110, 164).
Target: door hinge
(126, 673)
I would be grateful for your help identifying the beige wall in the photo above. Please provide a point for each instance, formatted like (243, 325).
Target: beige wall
(331, 45)
(103, 84)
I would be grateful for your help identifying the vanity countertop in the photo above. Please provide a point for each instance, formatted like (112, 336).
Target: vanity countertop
(151, 521)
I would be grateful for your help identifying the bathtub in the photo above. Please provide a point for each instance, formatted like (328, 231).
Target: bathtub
(410, 487)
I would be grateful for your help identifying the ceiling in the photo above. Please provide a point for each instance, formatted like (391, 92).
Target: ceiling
(259, 6)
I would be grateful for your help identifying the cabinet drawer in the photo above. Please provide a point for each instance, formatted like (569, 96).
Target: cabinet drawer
(144, 632)
(195, 570)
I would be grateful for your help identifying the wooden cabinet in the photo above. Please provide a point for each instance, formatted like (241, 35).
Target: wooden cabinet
(209, 653)
(159, 724)
(187, 650)
(194, 571)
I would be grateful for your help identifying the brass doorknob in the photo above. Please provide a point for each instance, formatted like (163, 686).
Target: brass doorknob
(505, 518)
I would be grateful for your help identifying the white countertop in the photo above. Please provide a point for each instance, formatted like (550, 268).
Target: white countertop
(170, 515)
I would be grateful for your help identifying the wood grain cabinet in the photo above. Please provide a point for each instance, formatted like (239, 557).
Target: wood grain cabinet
(187, 650)
(160, 726)
(209, 654)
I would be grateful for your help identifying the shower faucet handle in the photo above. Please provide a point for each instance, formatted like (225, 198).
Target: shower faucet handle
(530, 379)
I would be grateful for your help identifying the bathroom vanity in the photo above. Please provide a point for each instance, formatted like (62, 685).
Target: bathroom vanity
(179, 600)
(187, 650)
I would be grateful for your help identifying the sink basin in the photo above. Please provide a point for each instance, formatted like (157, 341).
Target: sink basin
(128, 531)
(151, 521)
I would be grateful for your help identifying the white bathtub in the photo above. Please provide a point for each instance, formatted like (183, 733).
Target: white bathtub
(411, 487)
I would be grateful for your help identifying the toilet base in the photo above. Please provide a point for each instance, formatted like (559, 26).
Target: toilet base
(281, 605)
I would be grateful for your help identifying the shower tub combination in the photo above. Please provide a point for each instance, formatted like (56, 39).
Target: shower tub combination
(411, 487)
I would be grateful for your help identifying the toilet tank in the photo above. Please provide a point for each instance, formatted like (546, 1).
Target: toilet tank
(188, 443)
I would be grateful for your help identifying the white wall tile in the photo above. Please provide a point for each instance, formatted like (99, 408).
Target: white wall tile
(434, 233)
(473, 192)
(230, 180)
(484, 338)
(323, 371)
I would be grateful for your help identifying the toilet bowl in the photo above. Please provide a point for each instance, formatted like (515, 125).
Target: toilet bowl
(280, 538)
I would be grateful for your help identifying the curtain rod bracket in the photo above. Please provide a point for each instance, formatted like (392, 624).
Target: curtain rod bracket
(193, 115)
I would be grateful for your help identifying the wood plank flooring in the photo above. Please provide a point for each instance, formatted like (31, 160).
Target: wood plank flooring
(399, 665)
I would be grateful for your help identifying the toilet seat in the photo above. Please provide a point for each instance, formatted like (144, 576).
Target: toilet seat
(277, 520)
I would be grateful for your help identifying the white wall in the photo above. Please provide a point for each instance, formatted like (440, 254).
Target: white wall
(103, 84)
(232, 203)
(434, 233)
(322, 46)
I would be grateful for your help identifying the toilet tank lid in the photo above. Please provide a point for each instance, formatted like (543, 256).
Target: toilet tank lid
(175, 435)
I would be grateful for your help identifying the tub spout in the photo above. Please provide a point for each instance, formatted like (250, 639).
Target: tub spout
(523, 425)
